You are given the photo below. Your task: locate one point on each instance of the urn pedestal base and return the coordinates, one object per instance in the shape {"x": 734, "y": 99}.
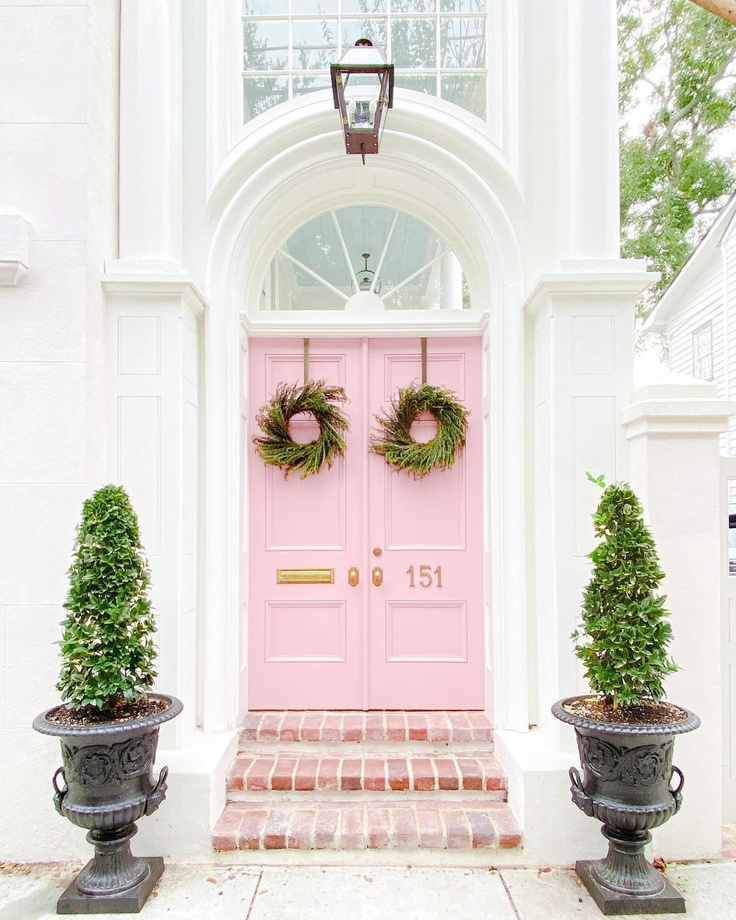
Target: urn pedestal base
{"x": 73, "y": 901}
{"x": 612, "y": 903}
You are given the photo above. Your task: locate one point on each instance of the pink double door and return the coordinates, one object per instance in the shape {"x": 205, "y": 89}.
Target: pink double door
{"x": 366, "y": 585}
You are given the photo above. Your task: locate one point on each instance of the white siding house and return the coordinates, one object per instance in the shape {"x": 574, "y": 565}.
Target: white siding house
{"x": 697, "y": 313}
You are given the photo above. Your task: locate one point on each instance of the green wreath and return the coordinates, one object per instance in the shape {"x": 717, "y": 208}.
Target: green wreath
{"x": 394, "y": 440}
{"x": 276, "y": 445}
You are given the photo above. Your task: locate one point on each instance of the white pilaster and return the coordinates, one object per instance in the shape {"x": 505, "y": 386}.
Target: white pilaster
{"x": 154, "y": 337}
{"x": 150, "y": 130}
{"x": 673, "y": 426}
{"x": 580, "y": 342}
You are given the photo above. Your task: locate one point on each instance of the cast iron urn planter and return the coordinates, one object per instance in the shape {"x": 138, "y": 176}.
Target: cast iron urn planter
{"x": 627, "y": 784}
{"x": 105, "y": 785}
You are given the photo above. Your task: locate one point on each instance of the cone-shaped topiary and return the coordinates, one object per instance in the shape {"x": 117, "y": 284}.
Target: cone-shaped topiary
{"x": 107, "y": 649}
{"x": 625, "y": 634}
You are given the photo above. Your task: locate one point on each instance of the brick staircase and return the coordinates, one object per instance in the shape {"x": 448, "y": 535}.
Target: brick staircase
{"x": 356, "y": 781}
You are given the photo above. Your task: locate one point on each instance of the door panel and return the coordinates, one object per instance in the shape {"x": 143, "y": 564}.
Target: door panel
{"x": 305, "y": 649}
{"x": 426, "y": 640}
{"x": 393, "y": 646}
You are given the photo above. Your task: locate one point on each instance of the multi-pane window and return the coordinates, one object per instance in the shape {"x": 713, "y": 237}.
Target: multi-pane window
{"x": 703, "y": 352}
{"x": 437, "y": 46}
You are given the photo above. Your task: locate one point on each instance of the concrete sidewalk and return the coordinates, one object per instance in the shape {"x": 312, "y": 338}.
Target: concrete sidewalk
{"x": 239, "y": 893}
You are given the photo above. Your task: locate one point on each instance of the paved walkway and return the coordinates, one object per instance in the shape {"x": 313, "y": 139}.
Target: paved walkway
{"x": 238, "y": 893}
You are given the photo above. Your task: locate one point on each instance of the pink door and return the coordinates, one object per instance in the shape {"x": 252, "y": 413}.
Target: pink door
{"x": 414, "y": 641}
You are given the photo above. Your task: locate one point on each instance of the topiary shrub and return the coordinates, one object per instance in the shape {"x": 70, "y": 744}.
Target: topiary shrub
{"x": 625, "y": 633}
{"x": 107, "y": 650}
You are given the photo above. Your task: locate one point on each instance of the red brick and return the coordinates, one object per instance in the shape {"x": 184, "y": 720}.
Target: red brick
{"x": 350, "y": 774}
{"x": 237, "y": 772}
{"x": 269, "y": 727}
{"x": 398, "y": 774}
{"x": 430, "y": 828}
{"x": 352, "y": 727}
{"x": 417, "y": 726}
{"x": 301, "y": 829}
{"x": 374, "y": 779}
{"x": 507, "y": 830}
{"x": 289, "y": 730}
{"x": 447, "y": 774}
{"x": 395, "y": 727}
{"x": 257, "y": 778}
{"x": 311, "y": 727}
{"x": 483, "y": 831}
{"x": 327, "y": 776}
{"x": 282, "y": 778}
{"x": 404, "y": 826}
{"x": 482, "y": 728}
{"x": 439, "y": 727}
{"x": 471, "y": 773}
{"x": 250, "y": 726}
{"x": 227, "y": 829}
{"x": 423, "y": 773}
{"x": 305, "y": 777}
{"x": 457, "y": 830}
{"x": 493, "y": 775}
{"x": 274, "y": 833}
{"x": 375, "y": 727}
{"x": 332, "y": 727}
{"x": 352, "y": 829}
{"x": 379, "y": 828}
{"x": 461, "y": 730}
{"x": 325, "y": 829}
{"x": 251, "y": 830}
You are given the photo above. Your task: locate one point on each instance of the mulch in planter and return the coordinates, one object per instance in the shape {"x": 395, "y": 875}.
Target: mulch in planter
{"x": 648, "y": 712}
{"x": 122, "y": 712}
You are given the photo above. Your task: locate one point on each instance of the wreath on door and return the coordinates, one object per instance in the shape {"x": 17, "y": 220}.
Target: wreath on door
{"x": 394, "y": 440}
{"x": 276, "y": 446}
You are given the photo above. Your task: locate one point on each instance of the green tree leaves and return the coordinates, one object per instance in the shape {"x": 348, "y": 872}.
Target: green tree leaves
{"x": 107, "y": 646}
{"x": 677, "y": 63}
{"x": 625, "y": 633}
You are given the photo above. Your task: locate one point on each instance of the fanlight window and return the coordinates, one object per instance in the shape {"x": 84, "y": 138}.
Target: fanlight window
{"x": 368, "y": 248}
{"x": 437, "y": 46}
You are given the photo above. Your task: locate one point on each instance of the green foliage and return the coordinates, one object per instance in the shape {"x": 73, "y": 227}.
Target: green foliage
{"x": 395, "y": 442}
{"x": 107, "y": 649}
{"x": 676, "y": 65}
{"x": 276, "y": 445}
{"x": 625, "y": 634}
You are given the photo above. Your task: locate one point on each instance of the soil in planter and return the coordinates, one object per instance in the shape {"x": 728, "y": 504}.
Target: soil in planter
{"x": 646, "y": 713}
{"x": 122, "y": 712}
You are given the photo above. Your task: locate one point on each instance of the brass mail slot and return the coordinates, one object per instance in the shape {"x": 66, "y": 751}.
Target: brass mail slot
{"x": 305, "y": 576}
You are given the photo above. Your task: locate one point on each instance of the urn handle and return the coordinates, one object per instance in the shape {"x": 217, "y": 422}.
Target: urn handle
{"x": 155, "y": 798}
{"x": 677, "y": 793}
{"x": 59, "y": 793}
{"x": 579, "y": 796}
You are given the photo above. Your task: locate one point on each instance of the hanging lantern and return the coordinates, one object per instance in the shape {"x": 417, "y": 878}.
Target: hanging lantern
{"x": 363, "y": 88}
{"x": 365, "y": 276}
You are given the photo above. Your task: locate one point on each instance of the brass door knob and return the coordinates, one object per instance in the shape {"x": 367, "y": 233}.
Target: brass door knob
{"x": 353, "y": 576}
{"x": 378, "y": 576}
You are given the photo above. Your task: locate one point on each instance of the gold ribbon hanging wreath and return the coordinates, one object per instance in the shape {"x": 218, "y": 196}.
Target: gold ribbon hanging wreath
{"x": 276, "y": 445}
{"x": 394, "y": 440}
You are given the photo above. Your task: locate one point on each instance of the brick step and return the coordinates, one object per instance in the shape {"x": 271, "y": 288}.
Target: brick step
{"x": 339, "y": 727}
{"x": 327, "y": 825}
{"x": 354, "y": 770}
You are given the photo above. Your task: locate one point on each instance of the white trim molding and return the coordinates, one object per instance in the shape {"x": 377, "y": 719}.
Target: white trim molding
{"x": 388, "y": 324}
{"x": 14, "y": 245}
{"x": 676, "y": 404}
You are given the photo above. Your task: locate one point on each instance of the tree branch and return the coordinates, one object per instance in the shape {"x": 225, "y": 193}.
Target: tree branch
{"x": 726, "y": 9}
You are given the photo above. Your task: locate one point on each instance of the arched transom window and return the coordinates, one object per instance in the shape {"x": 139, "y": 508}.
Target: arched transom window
{"x": 437, "y": 46}
{"x": 365, "y": 248}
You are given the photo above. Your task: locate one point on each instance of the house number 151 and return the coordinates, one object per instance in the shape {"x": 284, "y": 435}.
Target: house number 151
{"x": 426, "y": 576}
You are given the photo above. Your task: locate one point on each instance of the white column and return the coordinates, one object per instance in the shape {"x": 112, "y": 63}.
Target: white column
{"x": 580, "y": 346}
{"x": 592, "y": 134}
{"x": 154, "y": 423}
{"x": 150, "y": 130}
{"x": 673, "y": 426}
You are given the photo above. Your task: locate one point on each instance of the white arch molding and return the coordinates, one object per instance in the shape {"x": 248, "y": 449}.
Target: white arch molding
{"x": 437, "y": 163}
